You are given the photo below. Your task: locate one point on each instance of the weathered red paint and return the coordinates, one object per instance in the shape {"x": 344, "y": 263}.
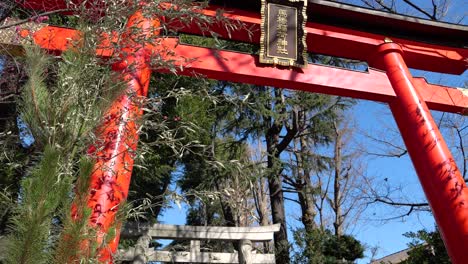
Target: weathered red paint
{"x": 440, "y": 178}
{"x": 118, "y": 134}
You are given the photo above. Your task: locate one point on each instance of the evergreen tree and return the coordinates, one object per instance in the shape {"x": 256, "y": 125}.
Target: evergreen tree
{"x": 322, "y": 246}
{"x": 426, "y": 248}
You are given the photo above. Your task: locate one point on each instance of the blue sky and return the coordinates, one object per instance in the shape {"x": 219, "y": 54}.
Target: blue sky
{"x": 455, "y": 13}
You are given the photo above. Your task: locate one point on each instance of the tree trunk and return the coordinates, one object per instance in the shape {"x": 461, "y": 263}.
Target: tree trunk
{"x": 261, "y": 202}
{"x": 279, "y": 216}
{"x": 307, "y": 207}
{"x": 305, "y": 193}
{"x": 229, "y": 218}
{"x": 275, "y": 186}
{"x": 275, "y": 168}
{"x": 337, "y": 197}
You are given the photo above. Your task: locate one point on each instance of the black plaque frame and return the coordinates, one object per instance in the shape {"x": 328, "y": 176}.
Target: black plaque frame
{"x": 297, "y": 51}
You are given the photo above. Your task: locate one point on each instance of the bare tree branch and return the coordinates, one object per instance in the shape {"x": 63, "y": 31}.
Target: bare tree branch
{"x": 413, "y": 5}
{"x": 389, "y": 202}
{"x": 434, "y": 9}
{"x": 292, "y": 200}
{"x": 387, "y": 8}
{"x": 391, "y": 155}
{"x": 462, "y": 149}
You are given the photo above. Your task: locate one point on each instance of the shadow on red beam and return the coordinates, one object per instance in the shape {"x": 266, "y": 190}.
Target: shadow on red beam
{"x": 346, "y": 43}
{"x": 373, "y": 85}
{"x": 245, "y": 68}
{"x": 58, "y": 39}
{"x": 55, "y": 39}
{"x": 443, "y": 98}
{"x": 343, "y": 42}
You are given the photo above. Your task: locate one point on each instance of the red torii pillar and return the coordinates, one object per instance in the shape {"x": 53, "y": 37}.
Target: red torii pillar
{"x": 438, "y": 173}
{"x": 110, "y": 180}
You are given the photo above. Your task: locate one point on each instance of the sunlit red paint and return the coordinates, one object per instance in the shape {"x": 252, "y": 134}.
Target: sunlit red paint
{"x": 115, "y": 152}
{"x": 440, "y": 178}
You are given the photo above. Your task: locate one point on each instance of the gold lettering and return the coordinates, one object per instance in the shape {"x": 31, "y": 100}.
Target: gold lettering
{"x": 282, "y": 32}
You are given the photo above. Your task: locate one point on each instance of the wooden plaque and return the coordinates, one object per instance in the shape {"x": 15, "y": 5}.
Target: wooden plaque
{"x": 283, "y": 33}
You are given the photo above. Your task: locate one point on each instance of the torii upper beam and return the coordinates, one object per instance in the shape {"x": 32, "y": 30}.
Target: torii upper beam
{"x": 322, "y": 38}
{"x": 239, "y": 67}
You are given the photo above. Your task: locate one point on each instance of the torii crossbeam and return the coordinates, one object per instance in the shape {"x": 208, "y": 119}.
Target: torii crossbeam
{"x": 389, "y": 81}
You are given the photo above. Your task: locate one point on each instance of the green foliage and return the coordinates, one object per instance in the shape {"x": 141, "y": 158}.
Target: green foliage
{"x": 426, "y": 248}
{"x": 42, "y": 195}
{"x": 345, "y": 247}
{"x": 13, "y": 159}
{"x": 177, "y": 113}
{"x": 322, "y": 247}
{"x": 219, "y": 43}
{"x": 65, "y": 113}
{"x": 75, "y": 226}
{"x": 35, "y": 96}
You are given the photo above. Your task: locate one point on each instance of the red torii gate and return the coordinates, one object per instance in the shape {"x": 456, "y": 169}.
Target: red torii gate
{"x": 409, "y": 99}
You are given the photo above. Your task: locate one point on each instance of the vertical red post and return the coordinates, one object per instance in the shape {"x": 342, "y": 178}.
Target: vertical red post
{"x": 440, "y": 178}
{"x": 118, "y": 134}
